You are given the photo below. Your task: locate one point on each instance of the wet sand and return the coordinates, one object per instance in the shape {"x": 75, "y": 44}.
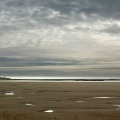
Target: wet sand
{"x": 60, "y": 100}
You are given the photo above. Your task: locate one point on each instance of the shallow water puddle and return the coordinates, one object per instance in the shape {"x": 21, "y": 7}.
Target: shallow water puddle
{"x": 19, "y": 97}
{"x": 49, "y": 111}
{"x": 9, "y": 93}
{"x": 28, "y": 104}
{"x": 118, "y": 106}
{"x": 79, "y": 101}
{"x": 104, "y": 97}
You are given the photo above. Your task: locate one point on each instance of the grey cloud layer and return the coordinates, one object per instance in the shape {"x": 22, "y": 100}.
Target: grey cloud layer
{"x": 17, "y": 15}
{"x": 58, "y": 12}
{"x": 106, "y": 8}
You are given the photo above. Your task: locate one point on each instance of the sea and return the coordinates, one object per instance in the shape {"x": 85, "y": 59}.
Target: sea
{"x": 58, "y": 79}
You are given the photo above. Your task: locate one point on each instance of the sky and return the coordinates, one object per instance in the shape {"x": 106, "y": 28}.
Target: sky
{"x": 67, "y": 38}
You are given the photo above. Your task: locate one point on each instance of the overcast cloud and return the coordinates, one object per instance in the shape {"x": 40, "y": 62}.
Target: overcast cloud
{"x": 60, "y": 38}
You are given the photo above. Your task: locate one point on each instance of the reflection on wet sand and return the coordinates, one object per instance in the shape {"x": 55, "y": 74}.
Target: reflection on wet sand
{"x": 28, "y": 104}
{"x": 104, "y": 97}
{"x": 49, "y": 111}
{"x": 9, "y": 93}
{"x": 80, "y": 101}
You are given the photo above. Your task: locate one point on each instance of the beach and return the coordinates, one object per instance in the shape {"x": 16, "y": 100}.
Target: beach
{"x": 59, "y": 100}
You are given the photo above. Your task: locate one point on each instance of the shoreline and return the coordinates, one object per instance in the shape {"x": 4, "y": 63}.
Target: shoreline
{"x": 58, "y": 81}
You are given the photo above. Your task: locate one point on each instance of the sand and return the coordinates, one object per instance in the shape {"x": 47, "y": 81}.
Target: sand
{"x": 60, "y": 101}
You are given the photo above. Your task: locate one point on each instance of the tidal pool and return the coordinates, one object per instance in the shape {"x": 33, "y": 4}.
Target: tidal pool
{"x": 117, "y": 106}
{"x": 9, "y": 93}
{"x": 80, "y": 101}
{"x": 28, "y": 104}
{"x": 104, "y": 97}
{"x": 19, "y": 97}
{"x": 49, "y": 111}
